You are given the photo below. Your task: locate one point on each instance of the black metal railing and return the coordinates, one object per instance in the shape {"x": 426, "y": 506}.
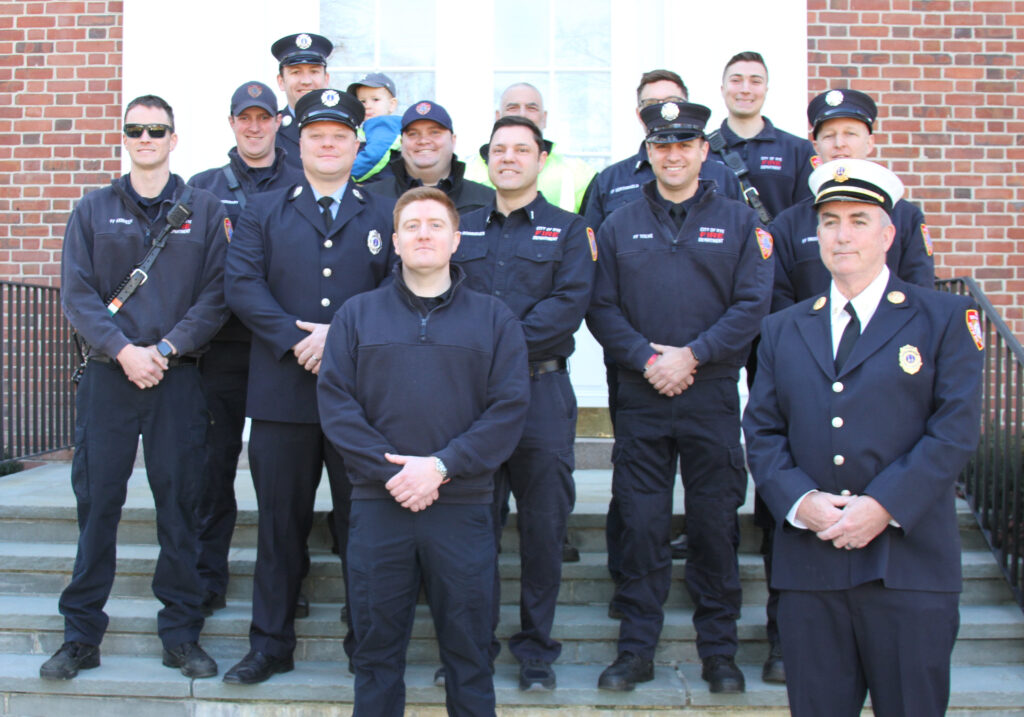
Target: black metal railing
{"x": 37, "y": 359}
{"x": 992, "y": 480}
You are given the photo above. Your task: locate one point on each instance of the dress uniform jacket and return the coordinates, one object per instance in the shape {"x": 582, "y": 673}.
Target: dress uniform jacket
{"x": 619, "y": 184}
{"x": 467, "y": 195}
{"x": 288, "y": 137}
{"x": 183, "y": 299}
{"x": 778, "y": 164}
{"x": 898, "y": 423}
{"x": 705, "y": 285}
{"x": 799, "y": 273}
{"x": 284, "y": 266}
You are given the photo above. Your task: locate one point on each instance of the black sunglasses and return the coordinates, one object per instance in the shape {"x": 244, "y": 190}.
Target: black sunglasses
{"x": 156, "y": 131}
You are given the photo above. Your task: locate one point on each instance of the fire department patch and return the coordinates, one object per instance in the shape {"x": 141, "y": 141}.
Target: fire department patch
{"x": 974, "y": 326}
{"x": 254, "y": 90}
{"x": 422, "y": 108}
{"x": 228, "y": 229}
{"x": 927, "y": 239}
{"x": 764, "y": 241}
{"x": 593, "y": 243}
{"x": 816, "y": 161}
{"x": 910, "y": 359}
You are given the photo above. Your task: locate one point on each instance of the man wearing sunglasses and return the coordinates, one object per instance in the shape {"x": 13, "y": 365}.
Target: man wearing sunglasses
{"x": 141, "y": 377}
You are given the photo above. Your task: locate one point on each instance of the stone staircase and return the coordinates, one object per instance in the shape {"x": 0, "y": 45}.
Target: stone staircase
{"x": 37, "y": 549}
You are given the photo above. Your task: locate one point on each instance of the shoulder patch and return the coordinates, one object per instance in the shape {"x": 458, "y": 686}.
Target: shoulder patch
{"x": 928, "y": 246}
{"x": 974, "y": 327}
{"x": 816, "y": 161}
{"x": 593, "y": 243}
{"x": 764, "y": 242}
{"x": 227, "y": 229}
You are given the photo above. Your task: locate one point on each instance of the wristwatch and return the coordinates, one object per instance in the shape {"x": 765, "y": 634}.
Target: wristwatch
{"x": 165, "y": 348}
{"x": 441, "y": 468}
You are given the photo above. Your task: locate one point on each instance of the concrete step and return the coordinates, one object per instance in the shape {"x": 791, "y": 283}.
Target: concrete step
{"x": 988, "y": 635}
{"x": 141, "y": 687}
{"x": 41, "y": 568}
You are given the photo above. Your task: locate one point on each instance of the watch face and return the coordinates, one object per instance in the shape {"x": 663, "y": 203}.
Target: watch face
{"x": 164, "y": 348}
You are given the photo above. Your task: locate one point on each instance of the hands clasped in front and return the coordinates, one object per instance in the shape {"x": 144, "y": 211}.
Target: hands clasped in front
{"x": 415, "y": 487}
{"x": 673, "y": 371}
{"x": 848, "y": 521}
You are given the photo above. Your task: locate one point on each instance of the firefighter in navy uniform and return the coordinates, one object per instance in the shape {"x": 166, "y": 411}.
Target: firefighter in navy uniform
{"x": 141, "y": 377}
{"x": 302, "y": 67}
{"x": 296, "y": 256}
{"x": 683, "y": 280}
{"x": 538, "y": 259}
{"x": 843, "y": 122}
{"x": 254, "y": 165}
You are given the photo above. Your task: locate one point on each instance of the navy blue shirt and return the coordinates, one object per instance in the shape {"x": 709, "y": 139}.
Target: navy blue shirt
{"x": 183, "y": 298}
{"x": 800, "y": 273}
{"x": 393, "y": 181}
{"x": 251, "y": 180}
{"x": 706, "y": 285}
{"x": 778, "y": 164}
{"x": 449, "y": 382}
{"x": 619, "y": 184}
{"x": 537, "y": 260}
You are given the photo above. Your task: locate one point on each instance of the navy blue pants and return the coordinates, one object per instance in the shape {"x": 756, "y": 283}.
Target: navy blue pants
{"x": 842, "y": 644}
{"x": 539, "y": 475}
{"x": 286, "y": 460}
{"x": 700, "y": 431}
{"x": 450, "y": 548}
{"x": 111, "y": 413}
{"x": 225, "y": 372}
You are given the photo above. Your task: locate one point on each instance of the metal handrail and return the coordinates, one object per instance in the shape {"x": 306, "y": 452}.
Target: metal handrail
{"x": 991, "y": 482}
{"x": 36, "y": 362}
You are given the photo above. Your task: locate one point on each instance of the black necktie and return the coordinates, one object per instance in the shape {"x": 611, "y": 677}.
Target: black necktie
{"x": 849, "y": 337}
{"x": 325, "y": 206}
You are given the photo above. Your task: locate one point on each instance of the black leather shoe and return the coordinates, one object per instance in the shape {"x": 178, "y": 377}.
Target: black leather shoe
{"x": 191, "y": 659}
{"x": 722, "y": 675}
{"x": 680, "y": 547}
{"x": 536, "y": 676}
{"x": 623, "y": 674}
{"x": 69, "y": 659}
{"x": 570, "y": 554}
{"x": 212, "y": 602}
{"x": 439, "y": 677}
{"x": 301, "y": 607}
{"x": 257, "y": 667}
{"x": 615, "y": 612}
{"x": 774, "y": 669}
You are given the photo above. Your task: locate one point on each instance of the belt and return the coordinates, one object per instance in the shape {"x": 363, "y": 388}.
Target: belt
{"x": 171, "y": 362}
{"x": 539, "y": 367}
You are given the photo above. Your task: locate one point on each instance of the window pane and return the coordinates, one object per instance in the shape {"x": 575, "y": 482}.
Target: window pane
{"x": 579, "y": 111}
{"x": 504, "y": 79}
{"x": 521, "y": 33}
{"x": 583, "y": 32}
{"x": 413, "y": 87}
{"x": 407, "y": 33}
{"x": 349, "y": 25}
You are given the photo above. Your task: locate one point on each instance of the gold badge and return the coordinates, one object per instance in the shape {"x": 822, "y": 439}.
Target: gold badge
{"x": 669, "y": 111}
{"x": 896, "y": 297}
{"x": 840, "y": 175}
{"x": 820, "y": 303}
{"x": 910, "y": 359}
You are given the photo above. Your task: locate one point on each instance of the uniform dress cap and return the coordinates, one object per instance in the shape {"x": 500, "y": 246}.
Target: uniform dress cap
{"x": 253, "y": 94}
{"x": 674, "y": 121}
{"x": 305, "y": 48}
{"x": 329, "y": 105}
{"x": 855, "y": 180}
{"x": 841, "y": 103}
{"x": 427, "y": 110}
{"x": 374, "y": 79}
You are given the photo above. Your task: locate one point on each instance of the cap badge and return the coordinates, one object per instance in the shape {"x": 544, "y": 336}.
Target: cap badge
{"x": 840, "y": 174}
{"x": 910, "y": 359}
{"x": 896, "y": 297}
{"x": 254, "y": 90}
{"x": 423, "y": 108}
{"x": 669, "y": 111}
{"x": 974, "y": 326}
{"x": 286, "y": 119}
{"x": 373, "y": 242}
{"x": 834, "y": 98}
{"x": 820, "y": 303}
{"x": 303, "y": 41}
{"x": 330, "y": 98}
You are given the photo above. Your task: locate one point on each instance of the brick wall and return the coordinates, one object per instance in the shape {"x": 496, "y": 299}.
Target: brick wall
{"x": 948, "y": 79}
{"x": 60, "y": 103}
